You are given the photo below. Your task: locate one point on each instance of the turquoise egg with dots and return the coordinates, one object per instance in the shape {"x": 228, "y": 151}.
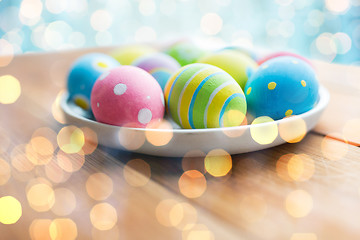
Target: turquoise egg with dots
{"x": 282, "y": 87}
{"x": 82, "y": 76}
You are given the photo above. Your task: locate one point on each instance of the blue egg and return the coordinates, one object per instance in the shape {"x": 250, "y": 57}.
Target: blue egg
{"x": 162, "y": 76}
{"x": 282, "y": 87}
{"x": 83, "y": 74}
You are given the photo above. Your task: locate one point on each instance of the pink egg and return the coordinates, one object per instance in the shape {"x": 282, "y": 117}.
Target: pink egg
{"x": 127, "y": 96}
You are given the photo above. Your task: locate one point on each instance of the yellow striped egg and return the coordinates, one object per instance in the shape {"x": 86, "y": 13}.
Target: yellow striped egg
{"x": 204, "y": 96}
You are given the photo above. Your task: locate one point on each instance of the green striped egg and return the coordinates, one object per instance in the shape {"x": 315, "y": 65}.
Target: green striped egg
{"x": 204, "y": 96}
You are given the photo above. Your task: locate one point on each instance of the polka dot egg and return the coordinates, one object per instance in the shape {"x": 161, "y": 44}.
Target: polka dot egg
{"x": 127, "y": 96}
{"x": 281, "y": 87}
{"x": 204, "y": 96}
{"x": 160, "y": 65}
{"x": 83, "y": 74}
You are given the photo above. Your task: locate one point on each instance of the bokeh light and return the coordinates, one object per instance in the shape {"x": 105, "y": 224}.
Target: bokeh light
{"x": 131, "y": 139}
{"x": 334, "y": 149}
{"x": 91, "y": 140}
{"x": 337, "y": 6}
{"x": 101, "y": 20}
{"x": 160, "y": 133}
{"x": 301, "y": 167}
{"x": 56, "y": 110}
{"x": 35, "y": 25}
{"x": 65, "y": 202}
{"x": 35, "y": 158}
{"x": 39, "y": 229}
{"x": 5, "y": 172}
{"x": 40, "y": 150}
{"x": 103, "y": 216}
{"x": 30, "y": 12}
{"x": 137, "y": 172}
{"x": 327, "y": 30}
{"x": 10, "y": 89}
{"x": 298, "y": 203}
{"x": 70, "y": 162}
{"x": 293, "y": 167}
{"x": 183, "y": 216}
{"x": 55, "y": 173}
{"x": 10, "y": 210}
{"x": 37, "y": 180}
{"x": 56, "y": 35}
{"x": 264, "y": 130}
{"x": 192, "y": 184}
{"x": 199, "y": 231}
{"x": 99, "y": 186}
{"x": 237, "y": 132}
{"x": 71, "y": 139}
{"x": 41, "y": 197}
{"x": 63, "y": 229}
{"x": 342, "y": 42}
{"x": 218, "y": 162}
{"x": 47, "y": 133}
{"x": 162, "y": 211}
{"x": 211, "y": 23}
{"x": 293, "y": 131}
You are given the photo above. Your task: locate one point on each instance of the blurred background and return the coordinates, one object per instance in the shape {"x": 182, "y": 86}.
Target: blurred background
{"x": 328, "y": 30}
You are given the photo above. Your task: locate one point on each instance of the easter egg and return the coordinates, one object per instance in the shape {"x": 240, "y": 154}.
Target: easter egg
{"x": 83, "y": 74}
{"x": 127, "y": 96}
{"x": 235, "y": 63}
{"x": 128, "y": 54}
{"x": 185, "y": 52}
{"x": 204, "y": 96}
{"x": 281, "y": 87}
{"x": 160, "y": 65}
{"x": 282, "y": 54}
{"x": 247, "y": 51}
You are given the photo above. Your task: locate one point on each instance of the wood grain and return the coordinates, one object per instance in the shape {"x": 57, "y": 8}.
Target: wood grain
{"x": 247, "y": 203}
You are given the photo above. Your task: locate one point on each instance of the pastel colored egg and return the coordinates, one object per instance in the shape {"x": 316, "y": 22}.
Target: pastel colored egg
{"x": 283, "y": 54}
{"x": 160, "y": 65}
{"x": 281, "y": 87}
{"x": 128, "y": 54}
{"x": 129, "y": 96}
{"x": 253, "y": 54}
{"x": 83, "y": 74}
{"x": 185, "y": 52}
{"x": 233, "y": 62}
{"x": 204, "y": 96}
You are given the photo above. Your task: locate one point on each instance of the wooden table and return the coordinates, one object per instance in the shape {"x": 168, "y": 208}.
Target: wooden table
{"x": 308, "y": 190}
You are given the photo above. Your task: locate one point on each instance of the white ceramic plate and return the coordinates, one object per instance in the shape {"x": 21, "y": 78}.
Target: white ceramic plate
{"x": 178, "y": 142}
